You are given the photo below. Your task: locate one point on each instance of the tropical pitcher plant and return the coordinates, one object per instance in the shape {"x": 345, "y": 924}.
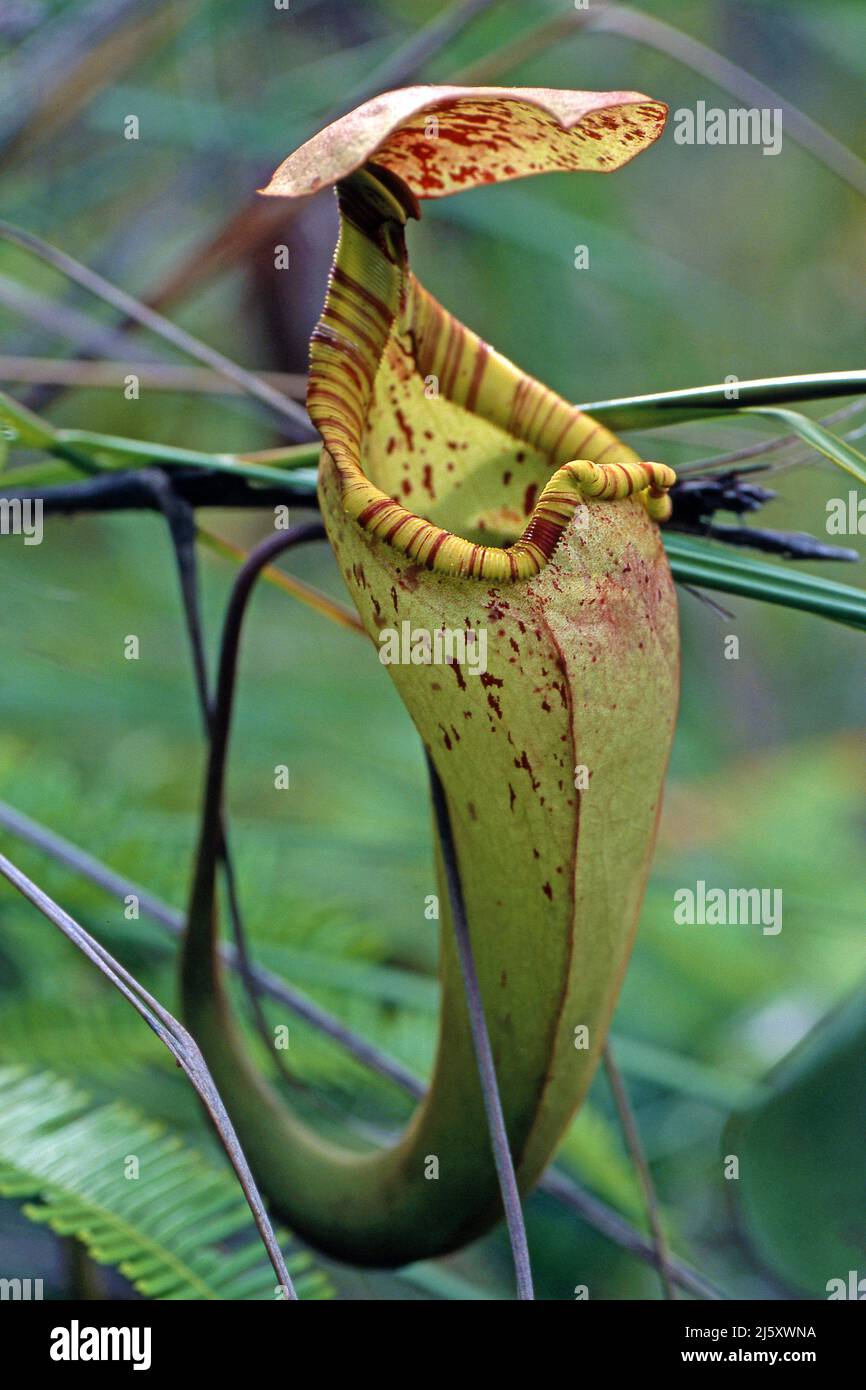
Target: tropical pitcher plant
{"x": 467, "y": 500}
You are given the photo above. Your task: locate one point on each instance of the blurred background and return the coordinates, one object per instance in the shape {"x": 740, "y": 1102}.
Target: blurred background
{"x": 704, "y": 262}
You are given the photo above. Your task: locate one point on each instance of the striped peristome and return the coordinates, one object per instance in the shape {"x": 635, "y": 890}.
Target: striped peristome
{"x": 361, "y": 325}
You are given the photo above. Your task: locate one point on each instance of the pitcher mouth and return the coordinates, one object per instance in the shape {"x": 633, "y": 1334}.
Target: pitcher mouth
{"x": 385, "y": 353}
{"x": 434, "y": 548}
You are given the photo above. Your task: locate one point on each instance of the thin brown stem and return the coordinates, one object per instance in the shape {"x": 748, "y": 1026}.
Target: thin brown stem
{"x": 175, "y": 1037}
{"x": 287, "y": 410}
{"x": 152, "y": 376}
{"x": 638, "y": 1158}
{"x": 770, "y": 446}
{"x": 481, "y": 1041}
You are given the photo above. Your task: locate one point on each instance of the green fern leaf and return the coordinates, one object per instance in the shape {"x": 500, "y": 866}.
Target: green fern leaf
{"x": 179, "y": 1230}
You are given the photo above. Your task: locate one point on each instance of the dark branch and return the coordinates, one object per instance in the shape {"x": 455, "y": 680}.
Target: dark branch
{"x": 697, "y": 499}
{"x": 128, "y": 491}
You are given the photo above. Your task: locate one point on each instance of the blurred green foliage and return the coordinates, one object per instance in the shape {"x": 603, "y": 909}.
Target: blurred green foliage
{"x": 704, "y": 262}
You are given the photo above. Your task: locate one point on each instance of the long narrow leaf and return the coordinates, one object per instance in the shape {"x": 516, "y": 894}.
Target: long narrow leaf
{"x": 698, "y": 402}
{"x": 709, "y": 567}
{"x": 837, "y": 450}
{"x": 93, "y": 453}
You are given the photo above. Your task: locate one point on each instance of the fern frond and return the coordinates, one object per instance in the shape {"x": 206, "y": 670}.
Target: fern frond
{"x": 179, "y": 1230}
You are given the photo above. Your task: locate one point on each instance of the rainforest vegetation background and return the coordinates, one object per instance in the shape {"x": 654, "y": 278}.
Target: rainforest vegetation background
{"x": 704, "y": 262}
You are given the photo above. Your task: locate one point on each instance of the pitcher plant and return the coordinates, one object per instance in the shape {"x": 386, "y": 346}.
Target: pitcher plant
{"x": 503, "y": 552}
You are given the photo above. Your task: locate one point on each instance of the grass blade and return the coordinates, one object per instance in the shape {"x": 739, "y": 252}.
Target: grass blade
{"x": 287, "y": 410}
{"x": 710, "y": 567}
{"x": 837, "y": 450}
{"x": 698, "y": 402}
